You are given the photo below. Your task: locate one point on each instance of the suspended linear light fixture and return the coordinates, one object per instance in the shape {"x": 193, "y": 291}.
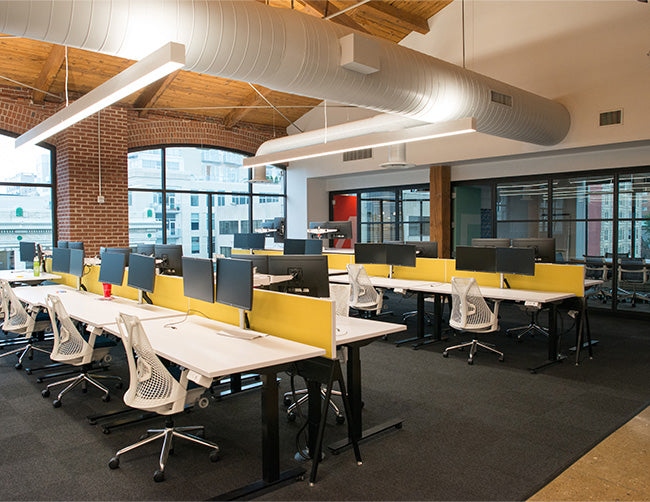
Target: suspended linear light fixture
{"x": 149, "y": 69}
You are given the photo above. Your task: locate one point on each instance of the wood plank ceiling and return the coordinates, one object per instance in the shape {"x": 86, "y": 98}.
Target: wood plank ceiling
{"x": 42, "y": 66}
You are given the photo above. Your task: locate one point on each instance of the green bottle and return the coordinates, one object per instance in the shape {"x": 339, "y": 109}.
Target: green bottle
{"x": 37, "y": 267}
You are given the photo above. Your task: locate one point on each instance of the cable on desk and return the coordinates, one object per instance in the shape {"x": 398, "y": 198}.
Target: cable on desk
{"x": 189, "y": 311}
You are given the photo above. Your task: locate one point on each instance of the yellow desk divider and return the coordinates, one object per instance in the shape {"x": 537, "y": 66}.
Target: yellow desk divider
{"x": 377, "y": 270}
{"x": 292, "y": 317}
{"x": 235, "y": 251}
{"x": 267, "y": 251}
{"x": 339, "y": 261}
{"x": 426, "y": 269}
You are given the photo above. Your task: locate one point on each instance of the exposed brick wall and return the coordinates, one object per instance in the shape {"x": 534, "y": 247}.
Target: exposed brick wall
{"x": 80, "y": 217}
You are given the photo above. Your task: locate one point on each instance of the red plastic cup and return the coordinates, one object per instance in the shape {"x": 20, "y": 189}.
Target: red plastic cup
{"x": 107, "y": 290}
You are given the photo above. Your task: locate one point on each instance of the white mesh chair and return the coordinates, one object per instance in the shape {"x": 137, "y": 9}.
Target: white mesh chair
{"x": 470, "y": 312}
{"x": 18, "y": 321}
{"x": 340, "y": 293}
{"x": 70, "y": 347}
{"x": 154, "y": 388}
{"x": 364, "y": 297}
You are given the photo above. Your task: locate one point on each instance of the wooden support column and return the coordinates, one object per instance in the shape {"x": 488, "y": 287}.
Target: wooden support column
{"x": 440, "y": 209}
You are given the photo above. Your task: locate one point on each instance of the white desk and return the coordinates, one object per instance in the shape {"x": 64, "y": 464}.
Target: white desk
{"x": 26, "y": 276}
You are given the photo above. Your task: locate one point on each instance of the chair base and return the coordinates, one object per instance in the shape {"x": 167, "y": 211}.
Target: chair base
{"x": 25, "y": 351}
{"x": 473, "y": 345}
{"x": 167, "y": 435}
{"x": 531, "y": 328}
{"x": 84, "y": 378}
{"x": 292, "y": 406}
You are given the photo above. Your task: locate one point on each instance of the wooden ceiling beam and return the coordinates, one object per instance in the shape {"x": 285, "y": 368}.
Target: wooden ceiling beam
{"x": 152, "y": 93}
{"x": 323, "y": 8}
{"x": 48, "y": 73}
{"x": 236, "y": 115}
{"x": 400, "y": 16}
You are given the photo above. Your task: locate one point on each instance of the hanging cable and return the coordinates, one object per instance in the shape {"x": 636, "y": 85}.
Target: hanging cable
{"x": 66, "y": 76}
{"x": 30, "y": 87}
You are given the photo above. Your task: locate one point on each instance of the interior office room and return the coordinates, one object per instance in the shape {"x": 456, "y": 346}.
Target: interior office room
{"x": 442, "y": 121}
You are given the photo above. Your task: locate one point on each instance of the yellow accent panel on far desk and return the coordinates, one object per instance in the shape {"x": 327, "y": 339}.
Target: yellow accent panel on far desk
{"x": 339, "y": 261}
{"x": 426, "y": 269}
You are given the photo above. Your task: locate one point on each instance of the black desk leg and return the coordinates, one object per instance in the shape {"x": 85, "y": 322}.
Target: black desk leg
{"x": 355, "y": 429}
{"x": 554, "y": 355}
{"x": 421, "y": 339}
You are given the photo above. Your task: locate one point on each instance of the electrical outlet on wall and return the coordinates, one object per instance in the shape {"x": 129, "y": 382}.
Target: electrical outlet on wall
{"x": 100, "y": 199}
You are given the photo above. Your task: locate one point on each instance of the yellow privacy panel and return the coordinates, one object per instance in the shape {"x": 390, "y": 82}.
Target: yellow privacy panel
{"x": 339, "y": 261}
{"x": 482, "y": 278}
{"x": 377, "y": 270}
{"x": 551, "y": 277}
{"x": 235, "y": 251}
{"x": 298, "y": 318}
{"x": 267, "y": 251}
{"x": 426, "y": 269}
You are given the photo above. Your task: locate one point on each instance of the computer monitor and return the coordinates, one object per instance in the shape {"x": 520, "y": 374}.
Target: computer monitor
{"x": 343, "y": 229}
{"x": 490, "y": 243}
{"x": 519, "y": 261}
{"x": 145, "y": 249}
{"x": 61, "y": 260}
{"x": 313, "y": 247}
{"x": 171, "y": 256}
{"x": 476, "y": 259}
{"x": 260, "y": 261}
{"x": 400, "y": 254}
{"x": 310, "y": 275}
{"x": 76, "y": 245}
{"x": 111, "y": 270}
{"x": 425, "y": 249}
{"x": 314, "y": 225}
{"x": 76, "y": 267}
{"x": 125, "y": 251}
{"x": 249, "y": 241}
{"x": 303, "y": 246}
{"x": 142, "y": 272}
{"x": 198, "y": 279}
{"x": 544, "y": 247}
{"x": 27, "y": 251}
{"x": 369, "y": 253}
{"x": 235, "y": 283}
{"x": 62, "y": 244}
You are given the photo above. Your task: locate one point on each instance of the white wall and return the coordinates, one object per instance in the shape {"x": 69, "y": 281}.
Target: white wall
{"x": 592, "y": 56}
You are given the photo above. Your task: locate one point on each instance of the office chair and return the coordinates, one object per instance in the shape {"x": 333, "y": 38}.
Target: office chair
{"x": 364, "y": 297}
{"x": 470, "y": 312}
{"x": 155, "y": 388}
{"x": 340, "y": 293}
{"x": 532, "y": 327}
{"x": 70, "y": 347}
{"x": 18, "y": 322}
{"x": 632, "y": 272}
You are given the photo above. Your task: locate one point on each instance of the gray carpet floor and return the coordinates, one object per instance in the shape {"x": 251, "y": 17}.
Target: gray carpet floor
{"x": 491, "y": 431}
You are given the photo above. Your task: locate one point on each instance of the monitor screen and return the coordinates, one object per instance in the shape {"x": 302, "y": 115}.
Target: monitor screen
{"x": 171, "y": 256}
{"x": 125, "y": 251}
{"x": 142, "y": 272}
{"x": 476, "y": 259}
{"x": 310, "y": 275}
{"x": 235, "y": 283}
{"x": 61, "y": 260}
{"x": 490, "y": 243}
{"x": 294, "y": 246}
{"x": 260, "y": 261}
{"x": 145, "y": 249}
{"x": 313, "y": 247}
{"x": 198, "y": 279}
{"x": 27, "y": 251}
{"x": 369, "y": 253}
{"x": 544, "y": 247}
{"x": 425, "y": 249}
{"x": 515, "y": 261}
{"x": 62, "y": 244}
{"x": 111, "y": 270}
{"x": 76, "y": 245}
{"x": 343, "y": 229}
{"x": 76, "y": 262}
{"x": 249, "y": 241}
{"x": 400, "y": 254}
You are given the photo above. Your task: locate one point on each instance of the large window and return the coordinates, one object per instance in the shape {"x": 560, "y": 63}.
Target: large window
{"x": 26, "y": 199}
{"x": 207, "y": 198}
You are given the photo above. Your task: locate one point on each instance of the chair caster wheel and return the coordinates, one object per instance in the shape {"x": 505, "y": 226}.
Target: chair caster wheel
{"x": 18, "y": 366}
{"x": 106, "y": 430}
{"x": 287, "y": 401}
{"x": 470, "y": 361}
{"x": 106, "y": 398}
{"x": 45, "y": 393}
{"x": 56, "y": 403}
{"x": 214, "y": 456}
{"x": 39, "y": 380}
{"x": 445, "y": 354}
{"x": 30, "y": 357}
{"x": 340, "y": 419}
{"x": 158, "y": 476}
{"x": 84, "y": 390}
{"x": 291, "y": 417}
{"x": 501, "y": 359}
{"x": 28, "y": 371}
{"x": 114, "y": 463}
{"x": 118, "y": 385}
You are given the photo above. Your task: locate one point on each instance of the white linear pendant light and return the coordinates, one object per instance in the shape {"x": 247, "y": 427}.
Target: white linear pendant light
{"x": 149, "y": 69}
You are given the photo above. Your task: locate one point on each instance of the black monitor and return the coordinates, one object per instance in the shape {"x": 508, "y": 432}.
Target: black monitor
{"x": 425, "y": 249}
{"x": 76, "y": 262}
{"x": 61, "y": 260}
{"x": 303, "y": 246}
{"x": 544, "y": 247}
{"x": 125, "y": 251}
{"x": 249, "y": 241}
{"x": 112, "y": 268}
{"x": 310, "y": 275}
{"x": 235, "y": 283}
{"x": 145, "y": 249}
{"x": 314, "y": 225}
{"x": 519, "y": 261}
{"x": 476, "y": 259}
{"x": 142, "y": 272}
{"x": 343, "y": 229}
{"x": 27, "y": 251}
{"x": 76, "y": 245}
{"x": 62, "y": 244}
{"x": 171, "y": 256}
{"x": 313, "y": 247}
{"x": 198, "y": 279}
{"x": 260, "y": 261}
{"x": 369, "y": 253}
{"x": 400, "y": 254}
{"x": 490, "y": 243}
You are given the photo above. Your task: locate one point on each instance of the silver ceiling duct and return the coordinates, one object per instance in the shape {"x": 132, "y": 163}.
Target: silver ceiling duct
{"x": 291, "y": 52}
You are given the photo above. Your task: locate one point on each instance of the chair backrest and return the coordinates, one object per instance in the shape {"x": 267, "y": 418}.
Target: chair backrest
{"x": 468, "y": 307}
{"x": 69, "y": 346}
{"x": 17, "y": 320}
{"x": 340, "y": 293}
{"x": 632, "y": 270}
{"x": 151, "y": 385}
{"x": 363, "y": 294}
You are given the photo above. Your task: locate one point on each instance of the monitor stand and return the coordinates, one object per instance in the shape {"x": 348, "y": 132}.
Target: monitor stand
{"x": 143, "y": 298}
{"x": 390, "y": 271}
{"x": 80, "y": 287}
